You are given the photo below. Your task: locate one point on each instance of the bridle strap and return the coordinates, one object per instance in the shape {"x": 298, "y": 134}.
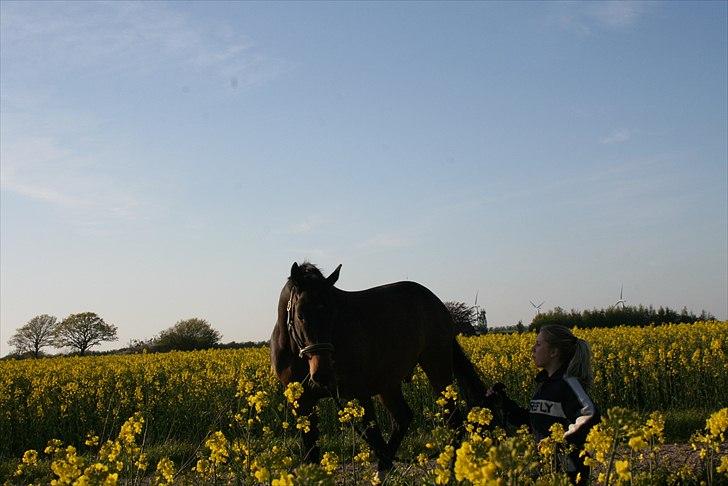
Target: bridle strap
{"x": 304, "y": 350}
{"x": 316, "y": 348}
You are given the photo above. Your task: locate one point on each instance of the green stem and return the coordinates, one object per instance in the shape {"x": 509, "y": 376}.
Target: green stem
{"x": 611, "y": 457}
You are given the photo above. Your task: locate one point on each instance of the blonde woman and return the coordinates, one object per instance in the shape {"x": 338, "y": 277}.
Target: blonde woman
{"x": 560, "y": 395}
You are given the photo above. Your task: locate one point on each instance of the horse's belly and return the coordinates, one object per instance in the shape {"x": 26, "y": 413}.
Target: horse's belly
{"x": 371, "y": 378}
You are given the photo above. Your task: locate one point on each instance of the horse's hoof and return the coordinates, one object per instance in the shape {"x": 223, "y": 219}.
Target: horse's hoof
{"x": 384, "y": 465}
{"x": 313, "y": 456}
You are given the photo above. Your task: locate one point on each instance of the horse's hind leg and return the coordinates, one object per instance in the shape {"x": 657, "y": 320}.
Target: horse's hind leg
{"x": 373, "y": 435}
{"x": 438, "y": 366}
{"x": 401, "y": 414}
{"x": 311, "y": 452}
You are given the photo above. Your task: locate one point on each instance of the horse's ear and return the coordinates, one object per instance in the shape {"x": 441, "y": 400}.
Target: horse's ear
{"x": 295, "y": 271}
{"x": 331, "y": 279}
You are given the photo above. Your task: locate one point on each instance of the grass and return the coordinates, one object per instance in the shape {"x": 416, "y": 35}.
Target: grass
{"x": 681, "y": 424}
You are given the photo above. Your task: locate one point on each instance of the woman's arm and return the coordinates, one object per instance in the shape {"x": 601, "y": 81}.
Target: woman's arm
{"x": 587, "y": 415}
{"x": 514, "y": 413}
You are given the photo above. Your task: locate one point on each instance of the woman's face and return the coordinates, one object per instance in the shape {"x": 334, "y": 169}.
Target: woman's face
{"x": 543, "y": 354}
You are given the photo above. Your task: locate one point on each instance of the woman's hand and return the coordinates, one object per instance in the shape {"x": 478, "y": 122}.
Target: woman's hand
{"x": 498, "y": 388}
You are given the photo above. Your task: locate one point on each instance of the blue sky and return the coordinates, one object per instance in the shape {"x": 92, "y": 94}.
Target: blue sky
{"x": 161, "y": 161}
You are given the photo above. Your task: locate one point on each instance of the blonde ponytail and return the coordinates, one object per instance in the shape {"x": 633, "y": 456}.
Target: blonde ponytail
{"x": 580, "y": 365}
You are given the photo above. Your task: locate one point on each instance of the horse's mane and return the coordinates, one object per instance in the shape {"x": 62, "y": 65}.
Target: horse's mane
{"x": 308, "y": 274}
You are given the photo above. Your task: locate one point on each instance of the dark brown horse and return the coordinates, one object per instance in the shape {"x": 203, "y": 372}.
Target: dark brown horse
{"x": 364, "y": 344}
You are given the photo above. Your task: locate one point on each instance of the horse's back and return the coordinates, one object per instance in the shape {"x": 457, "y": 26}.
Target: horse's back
{"x": 387, "y": 330}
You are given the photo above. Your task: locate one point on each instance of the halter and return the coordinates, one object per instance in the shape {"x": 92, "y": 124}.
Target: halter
{"x": 311, "y": 349}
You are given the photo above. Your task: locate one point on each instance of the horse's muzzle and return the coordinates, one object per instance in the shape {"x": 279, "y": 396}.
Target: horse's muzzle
{"x": 321, "y": 369}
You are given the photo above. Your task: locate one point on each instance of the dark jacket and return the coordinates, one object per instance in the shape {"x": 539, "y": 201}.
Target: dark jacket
{"x": 557, "y": 399}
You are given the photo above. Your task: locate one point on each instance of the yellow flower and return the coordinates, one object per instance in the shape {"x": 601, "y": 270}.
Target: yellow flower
{"x": 293, "y": 392}
{"x": 450, "y": 392}
{"x": 219, "y": 448}
{"x": 30, "y": 457}
{"x": 442, "y": 470}
{"x": 141, "y": 463}
{"x": 723, "y": 466}
{"x": 547, "y": 447}
{"x": 352, "y": 412}
{"x": 718, "y": 423}
{"x": 557, "y": 433}
{"x": 165, "y": 469}
{"x": 284, "y": 479}
{"x": 131, "y": 428}
{"x": 111, "y": 480}
{"x": 262, "y": 474}
{"x": 480, "y": 416}
{"x": 259, "y": 401}
{"x": 421, "y": 459}
{"x": 375, "y": 479}
{"x": 622, "y": 468}
{"x": 364, "y": 456}
{"x": 202, "y": 467}
{"x": 303, "y": 424}
{"x": 637, "y": 443}
{"x": 53, "y": 446}
{"x": 330, "y": 462}
{"x": 245, "y": 387}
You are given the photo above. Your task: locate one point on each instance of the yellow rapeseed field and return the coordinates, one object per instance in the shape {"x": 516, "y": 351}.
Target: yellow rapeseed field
{"x": 93, "y": 418}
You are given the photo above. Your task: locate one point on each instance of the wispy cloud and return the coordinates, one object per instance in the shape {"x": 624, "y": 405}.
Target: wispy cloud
{"x": 140, "y": 37}
{"x": 617, "y": 136}
{"x": 60, "y": 148}
{"x": 306, "y": 226}
{"x": 615, "y": 13}
{"x": 585, "y": 18}
{"x": 43, "y": 169}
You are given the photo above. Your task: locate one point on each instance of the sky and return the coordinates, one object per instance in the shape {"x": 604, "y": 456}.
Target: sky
{"x": 161, "y": 161}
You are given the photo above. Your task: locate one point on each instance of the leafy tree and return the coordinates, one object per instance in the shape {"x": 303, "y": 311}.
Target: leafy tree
{"x": 38, "y": 333}
{"x": 463, "y": 316}
{"x": 481, "y": 322}
{"x": 520, "y": 327}
{"x": 187, "y": 335}
{"x": 81, "y": 331}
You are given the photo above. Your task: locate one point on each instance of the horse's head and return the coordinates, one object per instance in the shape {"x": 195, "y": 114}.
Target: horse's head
{"x": 310, "y": 319}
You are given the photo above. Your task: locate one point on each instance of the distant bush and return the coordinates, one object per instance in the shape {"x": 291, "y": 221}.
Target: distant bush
{"x": 187, "y": 335}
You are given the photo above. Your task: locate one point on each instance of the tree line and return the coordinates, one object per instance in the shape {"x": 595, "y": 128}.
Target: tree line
{"x": 470, "y": 320}
{"x": 618, "y": 316}
{"x": 82, "y": 331}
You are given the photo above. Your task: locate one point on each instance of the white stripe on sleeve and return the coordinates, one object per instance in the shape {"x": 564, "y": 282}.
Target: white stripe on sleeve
{"x": 587, "y": 411}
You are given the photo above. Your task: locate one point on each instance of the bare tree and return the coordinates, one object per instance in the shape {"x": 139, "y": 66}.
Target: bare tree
{"x": 81, "y": 331}
{"x": 38, "y": 333}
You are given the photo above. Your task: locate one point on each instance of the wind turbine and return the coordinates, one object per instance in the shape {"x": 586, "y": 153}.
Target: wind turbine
{"x": 481, "y": 320}
{"x": 621, "y": 300}
{"x": 537, "y": 307}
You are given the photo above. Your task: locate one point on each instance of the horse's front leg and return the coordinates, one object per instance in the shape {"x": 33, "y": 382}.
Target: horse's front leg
{"x": 401, "y": 415}
{"x": 373, "y": 436}
{"x": 311, "y": 452}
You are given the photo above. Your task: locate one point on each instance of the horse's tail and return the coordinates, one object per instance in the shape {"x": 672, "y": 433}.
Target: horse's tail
{"x": 469, "y": 380}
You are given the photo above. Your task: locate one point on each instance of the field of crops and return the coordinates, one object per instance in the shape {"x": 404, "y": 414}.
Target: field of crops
{"x": 221, "y": 416}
